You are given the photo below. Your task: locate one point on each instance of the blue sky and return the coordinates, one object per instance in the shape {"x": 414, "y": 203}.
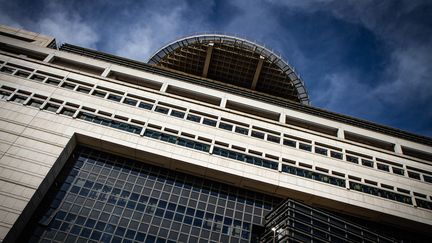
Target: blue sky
{"x": 367, "y": 59}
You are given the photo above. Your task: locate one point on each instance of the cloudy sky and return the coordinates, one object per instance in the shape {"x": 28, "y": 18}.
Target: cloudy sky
{"x": 367, "y": 59}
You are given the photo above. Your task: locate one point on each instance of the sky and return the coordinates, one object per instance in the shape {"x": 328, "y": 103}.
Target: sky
{"x": 367, "y": 59}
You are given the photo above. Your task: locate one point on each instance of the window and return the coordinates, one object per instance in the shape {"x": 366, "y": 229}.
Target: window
{"x": 336, "y": 155}
{"x": 99, "y": 93}
{"x": 427, "y": 178}
{"x": 67, "y": 111}
{"x": 193, "y": 118}
{"x": 273, "y": 139}
{"x": 35, "y": 103}
{"x": 83, "y": 89}
{"x": 7, "y": 70}
{"x": 383, "y": 167}
{"x": 19, "y": 99}
{"x": 225, "y": 126}
{"x": 161, "y": 109}
{"x": 209, "y": 122}
{"x": 36, "y": 77}
{"x": 178, "y": 114}
{"x": 257, "y": 134}
{"x": 67, "y": 85}
{"x": 367, "y": 162}
{"x": 145, "y": 105}
{"x": 398, "y": 171}
{"x": 306, "y": 147}
{"x": 52, "y": 81}
{"x": 114, "y": 97}
{"x": 51, "y": 107}
{"x": 322, "y": 151}
{"x": 414, "y": 175}
{"x": 129, "y": 101}
{"x": 22, "y": 74}
{"x": 289, "y": 142}
{"x": 241, "y": 130}
{"x": 352, "y": 159}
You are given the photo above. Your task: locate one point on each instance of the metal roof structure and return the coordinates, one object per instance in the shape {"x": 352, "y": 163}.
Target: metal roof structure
{"x": 235, "y": 61}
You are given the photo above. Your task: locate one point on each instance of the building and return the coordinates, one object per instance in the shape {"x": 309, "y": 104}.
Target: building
{"x": 200, "y": 144}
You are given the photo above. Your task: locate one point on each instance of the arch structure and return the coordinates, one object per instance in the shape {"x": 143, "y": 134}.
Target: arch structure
{"x": 234, "y": 61}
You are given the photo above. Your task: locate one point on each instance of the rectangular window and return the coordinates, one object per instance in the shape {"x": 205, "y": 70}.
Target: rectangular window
{"x": 35, "y": 103}
{"x": 178, "y": 114}
{"x": 427, "y": 178}
{"x": 367, "y": 162}
{"x": 193, "y": 118}
{"x": 209, "y": 122}
{"x": 22, "y": 74}
{"x": 98, "y": 93}
{"x": 257, "y": 134}
{"x": 161, "y": 109}
{"x": 225, "y": 126}
{"x": 322, "y": 151}
{"x": 398, "y": 171}
{"x": 83, "y": 89}
{"x": 38, "y": 78}
{"x": 114, "y": 97}
{"x": 273, "y": 139}
{"x": 52, "y": 81}
{"x": 67, "y": 85}
{"x": 4, "y": 94}
{"x": 414, "y": 175}
{"x": 67, "y": 111}
{"x": 51, "y": 107}
{"x": 145, "y": 105}
{"x": 352, "y": 159}
{"x": 383, "y": 167}
{"x": 129, "y": 101}
{"x": 336, "y": 155}
{"x": 290, "y": 143}
{"x": 241, "y": 130}
{"x": 7, "y": 70}
{"x": 19, "y": 99}
{"x": 306, "y": 147}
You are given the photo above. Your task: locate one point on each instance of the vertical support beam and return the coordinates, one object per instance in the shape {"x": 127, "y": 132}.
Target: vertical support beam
{"x": 164, "y": 87}
{"x": 49, "y": 58}
{"x": 207, "y": 60}
{"x": 106, "y": 71}
{"x": 341, "y": 133}
{"x": 398, "y": 148}
{"x": 257, "y": 72}
{"x": 223, "y": 102}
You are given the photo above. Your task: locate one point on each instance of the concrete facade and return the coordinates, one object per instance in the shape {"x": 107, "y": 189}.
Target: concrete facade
{"x": 35, "y": 142}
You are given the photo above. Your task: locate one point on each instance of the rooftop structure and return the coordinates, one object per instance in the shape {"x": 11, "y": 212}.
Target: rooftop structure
{"x": 213, "y": 140}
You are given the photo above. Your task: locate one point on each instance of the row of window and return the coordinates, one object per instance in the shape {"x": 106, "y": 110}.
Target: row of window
{"x": 54, "y": 106}
{"x": 272, "y": 136}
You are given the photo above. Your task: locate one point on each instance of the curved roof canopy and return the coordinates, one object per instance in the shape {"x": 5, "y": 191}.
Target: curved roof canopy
{"x": 233, "y": 61}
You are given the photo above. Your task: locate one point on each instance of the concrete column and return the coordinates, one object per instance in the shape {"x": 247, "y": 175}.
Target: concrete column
{"x": 164, "y": 87}
{"x": 398, "y": 148}
{"x": 223, "y": 102}
{"x": 106, "y": 72}
{"x": 340, "y": 133}
{"x": 49, "y": 58}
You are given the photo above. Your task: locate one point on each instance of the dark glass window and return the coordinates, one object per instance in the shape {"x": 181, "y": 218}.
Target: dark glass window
{"x": 304, "y": 146}
{"x": 427, "y": 178}
{"x": 320, "y": 150}
{"x": 245, "y": 158}
{"x": 22, "y": 74}
{"x": 175, "y": 113}
{"x": 225, "y": 126}
{"x": 367, "y": 162}
{"x": 352, "y": 159}
{"x": 51, "y": 107}
{"x": 242, "y": 130}
{"x": 193, "y": 118}
{"x": 83, "y": 89}
{"x": 129, "y": 101}
{"x": 380, "y": 192}
{"x": 159, "y": 220}
{"x": 313, "y": 175}
{"x": 146, "y": 106}
{"x": 336, "y": 155}
{"x": 52, "y": 81}
{"x": 36, "y": 77}
{"x": 289, "y": 142}
{"x": 35, "y": 103}
{"x": 257, "y": 134}
{"x": 273, "y": 139}
{"x": 398, "y": 171}
{"x": 209, "y": 122}
{"x": 383, "y": 167}
{"x": 67, "y": 111}
{"x": 114, "y": 97}
{"x": 161, "y": 109}
{"x": 99, "y": 93}
{"x": 18, "y": 98}
{"x": 67, "y": 85}
{"x": 414, "y": 175}
{"x": 7, "y": 70}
